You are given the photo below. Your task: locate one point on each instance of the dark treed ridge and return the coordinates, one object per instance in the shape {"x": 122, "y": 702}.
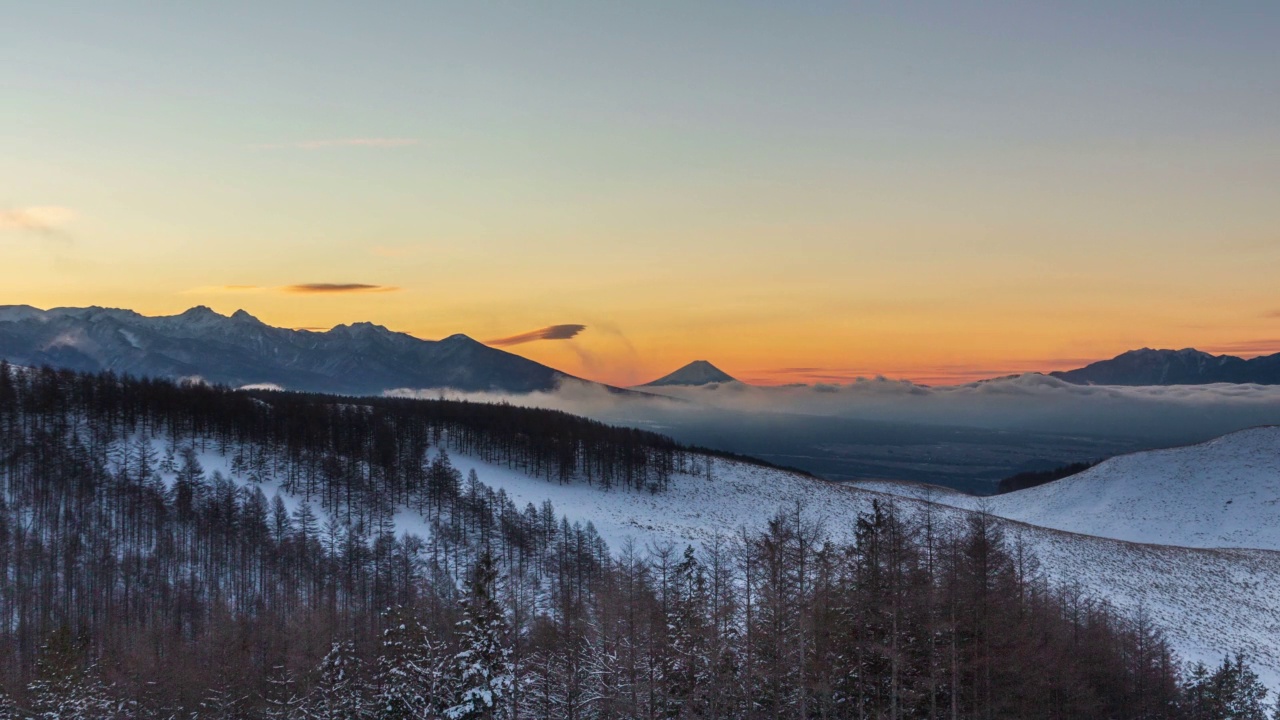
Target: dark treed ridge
{"x": 1035, "y": 478}
{"x": 544, "y": 443}
{"x": 140, "y": 585}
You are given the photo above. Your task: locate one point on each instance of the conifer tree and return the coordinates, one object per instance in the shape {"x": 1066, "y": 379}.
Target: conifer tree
{"x": 1196, "y": 692}
{"x": 279, "y": 519}
{"x": 306, "y": 524}
{"x": 281, "y": 699}
{"x": 145, "y": 459}
{"x": 66, "y": 684}
{"x": 1243, "y": 696}
{"x": 687, "y": 661}
{"x": 1231, "y": 692}
{"x": 410, "y": 674}
{"x": 8, "y": 709}
{"x": 222, "y": 703}
{"x": 339, "y": 690}
{"x": 483, "y": 665}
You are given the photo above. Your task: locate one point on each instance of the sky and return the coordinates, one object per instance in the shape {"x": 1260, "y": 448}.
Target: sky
{"x": 798, "y": 192}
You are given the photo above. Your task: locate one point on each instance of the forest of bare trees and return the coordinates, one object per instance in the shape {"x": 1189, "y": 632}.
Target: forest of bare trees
{"x": 137, "y": 582}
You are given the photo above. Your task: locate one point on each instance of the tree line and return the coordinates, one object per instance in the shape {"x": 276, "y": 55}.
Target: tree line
{"x": 160, "y": 560}
{"x": 1035, "y": 478}
{"x": 391, "y": 433}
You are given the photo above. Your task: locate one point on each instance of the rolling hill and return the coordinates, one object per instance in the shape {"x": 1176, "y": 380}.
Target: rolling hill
{"x": 1224, "y": 493}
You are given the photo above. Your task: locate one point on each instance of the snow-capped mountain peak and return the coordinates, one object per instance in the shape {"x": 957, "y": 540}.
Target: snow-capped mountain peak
{"x": 698, "y": 372}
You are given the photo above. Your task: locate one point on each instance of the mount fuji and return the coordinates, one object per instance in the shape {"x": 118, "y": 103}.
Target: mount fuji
{"x": 698, "y": 372}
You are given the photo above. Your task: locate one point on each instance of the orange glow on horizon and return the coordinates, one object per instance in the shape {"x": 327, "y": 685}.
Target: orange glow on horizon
{"x": 940, "y": 348}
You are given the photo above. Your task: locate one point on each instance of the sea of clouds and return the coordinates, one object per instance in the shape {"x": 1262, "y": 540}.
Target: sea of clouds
{"x": 1026, "y": 403}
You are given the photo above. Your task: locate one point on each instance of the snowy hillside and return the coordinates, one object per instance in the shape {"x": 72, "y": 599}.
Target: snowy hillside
{"x": 1224, "y": 493}
{"x": 1208, "y": 601}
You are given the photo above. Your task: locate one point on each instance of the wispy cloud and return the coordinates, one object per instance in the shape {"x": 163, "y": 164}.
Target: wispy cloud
{"x": 300, "y": 289}
{"x": 367, "y": 142}
{"x": 48, "y": 220}
{"x": 1274, "y": 314}
{"x": 333, "y": 288}
{"x": 551, "y": 332}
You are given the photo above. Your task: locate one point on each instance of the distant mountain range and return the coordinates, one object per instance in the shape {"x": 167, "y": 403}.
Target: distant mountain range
{"x": 368, "y": 359}
{"x": 237, "y": 350}
{"x": 698, "y": 372}
{"x": 1136, "y": 367}
{"x": 1175, "y": 367}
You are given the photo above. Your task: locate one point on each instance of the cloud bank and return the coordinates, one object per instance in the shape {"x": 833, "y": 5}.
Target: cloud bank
{"x": 1030, "y": 403}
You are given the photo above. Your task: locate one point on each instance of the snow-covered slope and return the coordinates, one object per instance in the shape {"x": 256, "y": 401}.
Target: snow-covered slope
{"x": 1207, "y": 601}
{"x": 1224, "y": 493}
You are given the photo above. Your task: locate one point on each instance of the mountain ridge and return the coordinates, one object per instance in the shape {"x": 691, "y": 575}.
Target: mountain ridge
{"x": 1188, "y": 366}
{"x": 239, "y": 349}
